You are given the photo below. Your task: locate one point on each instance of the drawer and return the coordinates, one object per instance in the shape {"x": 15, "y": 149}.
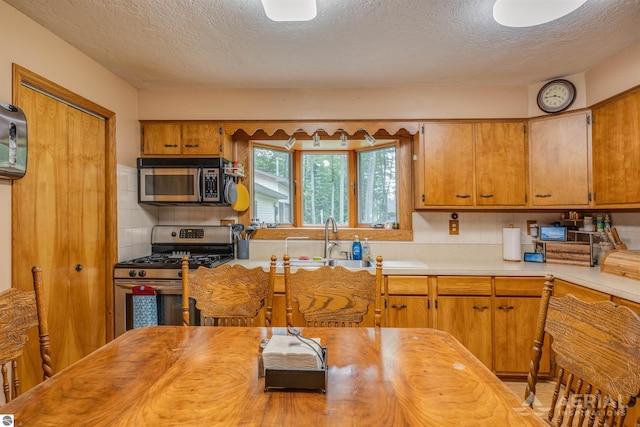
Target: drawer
{"x": 562, "y": 288}
{"x": 519, "y": 286}
{"x": 464, "y": 285}
{"x": 408, "y": 285}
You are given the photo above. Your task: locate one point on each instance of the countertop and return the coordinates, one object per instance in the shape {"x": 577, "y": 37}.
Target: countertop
{"x": 590, "y": 277}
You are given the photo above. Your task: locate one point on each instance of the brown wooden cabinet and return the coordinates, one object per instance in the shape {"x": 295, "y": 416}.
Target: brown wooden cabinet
{"x": 517, "y": 304}
{"x": 562, "y": 288}
{"x": 407, "y": 302}
{"x": 446, "y": 160}
{"x": 559, "y": 160}
{"x": 205, "y": 139}
{"x": 464, "y": 309}
{"x": 616, "y": 152}
{"x": 471, "y": 164}
{"x": 500, "y": 154}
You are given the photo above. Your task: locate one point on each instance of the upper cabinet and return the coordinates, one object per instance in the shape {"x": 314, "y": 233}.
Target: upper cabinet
{"x": 446, "y": 162}
{"x": 500, "y": 164}
{"x": 616, "y": 152}
{"x": 465, "y": 164}
{"x": 205, "y": 139}
{"x": 559, "y": 160}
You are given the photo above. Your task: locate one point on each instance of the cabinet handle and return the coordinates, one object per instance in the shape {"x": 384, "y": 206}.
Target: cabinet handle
{"x": 543, "y": 196}
{"x": 399, "y": 307}
{"x": 170, "y": 145}
{"x": 486, "y": 196}
{"x": 505, "y": 307}
{"x": 481, "y": 307}
{"x": 192, "y": 145}
{"x": 462, "y": 196}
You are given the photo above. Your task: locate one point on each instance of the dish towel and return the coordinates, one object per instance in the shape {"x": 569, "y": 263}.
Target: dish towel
{"x": 145, "y": 306}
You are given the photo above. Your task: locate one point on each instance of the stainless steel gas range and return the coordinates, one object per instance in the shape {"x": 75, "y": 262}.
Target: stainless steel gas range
{"x": 160, "y": 272}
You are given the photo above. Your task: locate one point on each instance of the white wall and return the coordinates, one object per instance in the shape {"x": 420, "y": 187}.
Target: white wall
{"x": 29, "y": 45}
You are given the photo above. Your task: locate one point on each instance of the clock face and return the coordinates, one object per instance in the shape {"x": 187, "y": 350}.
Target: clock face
{"x": 556, "y": 96}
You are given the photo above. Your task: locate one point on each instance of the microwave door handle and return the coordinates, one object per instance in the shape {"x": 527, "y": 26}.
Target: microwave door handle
{"x": 199, "y": 185}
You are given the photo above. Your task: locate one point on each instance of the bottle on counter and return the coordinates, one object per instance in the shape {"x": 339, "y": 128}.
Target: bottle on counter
{"x": 356, "y": 249}
{"x": 366, "y": 250}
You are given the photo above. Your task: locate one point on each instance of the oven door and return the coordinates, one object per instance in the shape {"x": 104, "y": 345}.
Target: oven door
{"x": 169, "y": 185}
{"x": 168, "y": 301}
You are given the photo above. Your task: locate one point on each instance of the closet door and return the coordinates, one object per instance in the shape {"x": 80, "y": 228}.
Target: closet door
{"x": 59, "y": 223}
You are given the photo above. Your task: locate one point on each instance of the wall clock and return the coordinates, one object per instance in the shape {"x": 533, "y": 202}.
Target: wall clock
{"x": 556, "y": 96}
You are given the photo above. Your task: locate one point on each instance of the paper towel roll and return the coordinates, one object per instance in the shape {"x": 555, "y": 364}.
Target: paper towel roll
{"x": 511, "y": 244}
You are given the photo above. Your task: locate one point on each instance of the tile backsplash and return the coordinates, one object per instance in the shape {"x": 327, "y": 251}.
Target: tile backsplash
{"x": 480, "y": 233}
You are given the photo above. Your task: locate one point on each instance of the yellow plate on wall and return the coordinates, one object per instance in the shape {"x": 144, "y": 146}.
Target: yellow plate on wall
{"x": 242, "y": 203}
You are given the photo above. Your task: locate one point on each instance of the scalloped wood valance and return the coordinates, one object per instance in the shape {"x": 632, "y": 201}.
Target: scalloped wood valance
{"x": 330, "y": 127}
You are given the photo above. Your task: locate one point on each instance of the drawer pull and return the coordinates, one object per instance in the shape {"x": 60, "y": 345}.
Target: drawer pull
{"x": 170, "y": 145}
{"x": 399, "y": 307}
{"x": 543, "y": 196}
{"x": 481, "y": 307}
{"x": 192, "y": 145}
{"x": 462, "y": 196}
{"x": 486, "y": 196}
{"x": 505, "y": 307}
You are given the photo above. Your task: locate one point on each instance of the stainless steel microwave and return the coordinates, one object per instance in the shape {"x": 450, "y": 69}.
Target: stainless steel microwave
{"x": 182, "y": 180}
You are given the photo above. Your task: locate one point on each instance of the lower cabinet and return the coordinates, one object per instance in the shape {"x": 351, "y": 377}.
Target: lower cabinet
{"x": 517, "y": 305}
{"x": 463, "y": 307}
{"x": 407, "y": 302}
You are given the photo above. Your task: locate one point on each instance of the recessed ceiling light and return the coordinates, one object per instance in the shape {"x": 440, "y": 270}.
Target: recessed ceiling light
{"x": 290, "y": 10}
{"x": 527, "y": 13}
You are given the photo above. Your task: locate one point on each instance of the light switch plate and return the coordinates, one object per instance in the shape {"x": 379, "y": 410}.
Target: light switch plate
{"x": 454, "y": 227}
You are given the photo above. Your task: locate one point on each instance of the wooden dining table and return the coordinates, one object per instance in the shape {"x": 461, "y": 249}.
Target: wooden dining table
{"x": 207, "y": 376}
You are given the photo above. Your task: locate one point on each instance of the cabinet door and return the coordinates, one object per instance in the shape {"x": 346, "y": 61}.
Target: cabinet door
{"x": 616, "y": 152}
{"x": 469, "y": 320}
{"x": 448, "y": 164}
{"x": 407, "y": 311}
{"x": 559, "y": 160}
{"x": 500, "y": 164}
{"x": 161, "y": 139}
{"x": 514, "y": 332}
{"x": 200, "y": 139}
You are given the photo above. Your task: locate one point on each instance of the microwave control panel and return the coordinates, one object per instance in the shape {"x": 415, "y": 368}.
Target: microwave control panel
{"x": 210, "y": 178}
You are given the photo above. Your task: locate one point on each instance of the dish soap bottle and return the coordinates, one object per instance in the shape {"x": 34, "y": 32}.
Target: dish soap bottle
{"x": 366, "y": 251}
{"x": 356, "y": 249}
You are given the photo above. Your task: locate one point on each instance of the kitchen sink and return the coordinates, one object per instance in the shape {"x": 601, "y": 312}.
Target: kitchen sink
{"x": 347, "y": 263}
{"x": 350, "y": 263}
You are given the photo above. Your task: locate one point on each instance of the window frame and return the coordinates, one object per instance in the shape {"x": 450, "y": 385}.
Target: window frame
{"x": 404, "y": 196}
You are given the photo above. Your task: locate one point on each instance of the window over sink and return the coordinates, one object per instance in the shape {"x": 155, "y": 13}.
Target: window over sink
{"x": 356, "y": 187}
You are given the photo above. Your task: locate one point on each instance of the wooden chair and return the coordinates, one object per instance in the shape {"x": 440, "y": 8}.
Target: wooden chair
{"x": 597, "y": 353}
{"x": 19, "y": 312}
{"x": 229, "y": 295}
{"x": 333, "y": 296}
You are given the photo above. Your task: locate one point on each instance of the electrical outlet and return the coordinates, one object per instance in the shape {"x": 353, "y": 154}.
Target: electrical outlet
{"x": 454, "y": 226}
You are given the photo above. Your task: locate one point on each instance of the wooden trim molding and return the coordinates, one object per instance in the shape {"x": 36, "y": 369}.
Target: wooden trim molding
{"x": 330, "y": 127}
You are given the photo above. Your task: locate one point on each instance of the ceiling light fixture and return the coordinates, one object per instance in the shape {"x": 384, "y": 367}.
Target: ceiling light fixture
{"x": 343, "y": 139}
{"x": 290, "y": 10}
{"x": 371, "y": 140}
{"x": 316, "y": 140}
{"x": 527, "y": 13}
{"x": 290, "y": 142}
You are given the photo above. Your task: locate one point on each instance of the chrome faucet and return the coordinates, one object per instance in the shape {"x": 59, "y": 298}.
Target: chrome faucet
{"x": 328, "y": 245}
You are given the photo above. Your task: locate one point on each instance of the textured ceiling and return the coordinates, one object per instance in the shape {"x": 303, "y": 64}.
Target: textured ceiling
{"x": 351, "y": 43}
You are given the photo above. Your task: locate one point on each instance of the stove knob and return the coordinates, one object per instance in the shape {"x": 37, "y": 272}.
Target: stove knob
{"x": 142, "y": 273}
{"x": 173, "y": 234}
{"x": 132, "y": 273}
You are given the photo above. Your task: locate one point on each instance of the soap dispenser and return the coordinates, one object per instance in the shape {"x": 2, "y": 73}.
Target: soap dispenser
{"x": 356, "y": 249}
{"x": 366, "y": 251}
